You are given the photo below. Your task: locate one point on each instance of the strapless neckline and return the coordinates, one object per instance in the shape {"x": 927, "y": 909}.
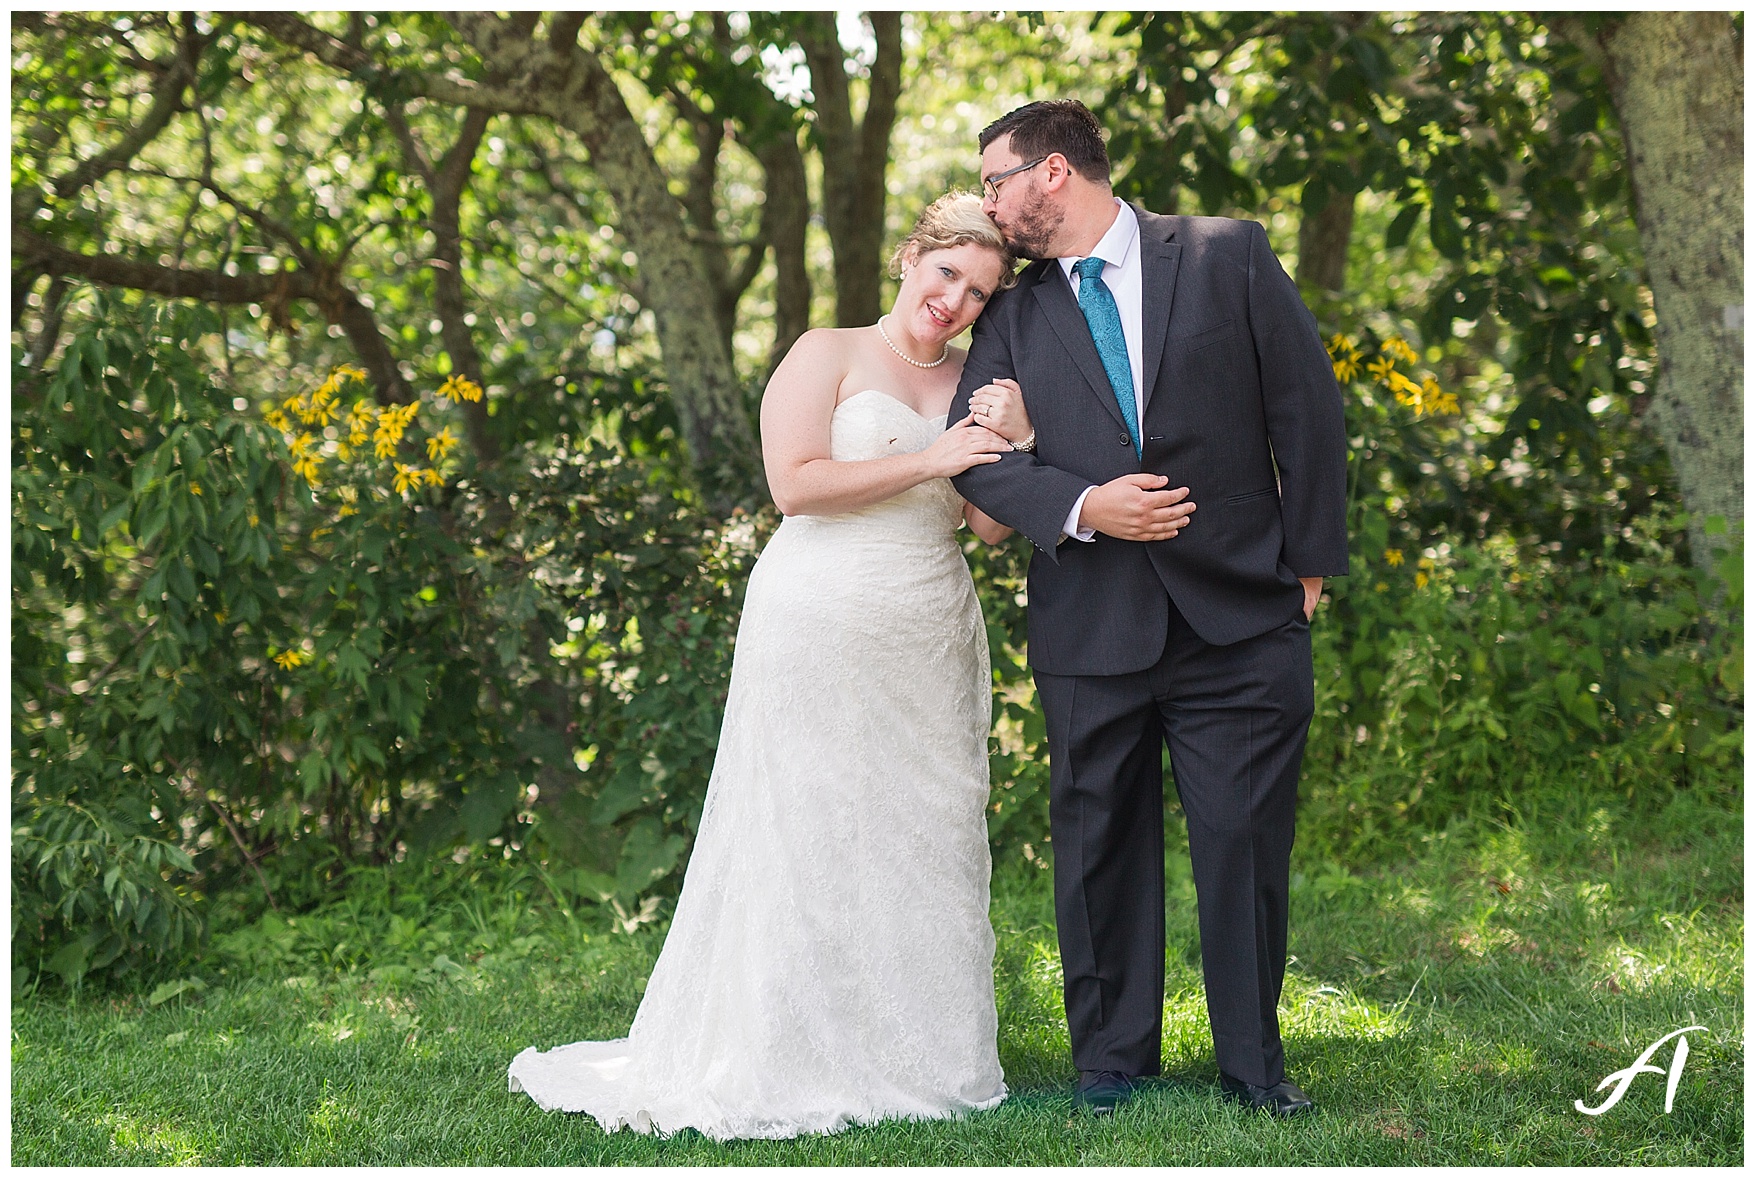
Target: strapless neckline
{"x": 891, "y": 398}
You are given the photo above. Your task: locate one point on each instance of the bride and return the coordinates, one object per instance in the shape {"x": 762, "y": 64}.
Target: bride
{"x": 830, "y": 961}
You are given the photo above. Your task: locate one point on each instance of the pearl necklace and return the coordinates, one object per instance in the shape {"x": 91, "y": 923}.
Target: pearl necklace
{"x": 917, "y": 363}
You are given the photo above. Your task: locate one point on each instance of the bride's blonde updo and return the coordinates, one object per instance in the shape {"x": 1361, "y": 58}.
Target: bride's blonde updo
{"x": 952, "y": 220}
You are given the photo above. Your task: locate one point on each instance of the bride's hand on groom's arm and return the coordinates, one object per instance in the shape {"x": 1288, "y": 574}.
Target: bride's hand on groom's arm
{"x": 1137, "y": 507}
{"x": 1000, "y": 407}
{"x": 965, "y": 444}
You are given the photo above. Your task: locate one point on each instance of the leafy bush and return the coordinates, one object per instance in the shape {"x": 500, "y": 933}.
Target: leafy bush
{"x": 247, "y": 660}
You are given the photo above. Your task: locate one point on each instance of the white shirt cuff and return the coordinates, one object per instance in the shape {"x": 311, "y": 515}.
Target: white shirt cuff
{"x": 1071, "y": 526}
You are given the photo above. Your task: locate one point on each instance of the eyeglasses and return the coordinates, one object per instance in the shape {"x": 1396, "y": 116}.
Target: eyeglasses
{"x": 991, "y": 184}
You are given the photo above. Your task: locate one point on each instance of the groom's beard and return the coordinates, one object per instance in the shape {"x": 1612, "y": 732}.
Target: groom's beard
{"x": 1031, "y": 235}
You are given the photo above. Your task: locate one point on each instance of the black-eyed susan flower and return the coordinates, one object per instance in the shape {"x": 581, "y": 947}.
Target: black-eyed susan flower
{"x": 460, "y": 388}
{"x": 1399, "y": 348}
{"x": 441, "y": 444}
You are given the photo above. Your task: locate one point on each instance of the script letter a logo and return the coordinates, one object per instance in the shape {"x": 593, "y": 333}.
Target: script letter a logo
{"x": 1623, "y": 1079}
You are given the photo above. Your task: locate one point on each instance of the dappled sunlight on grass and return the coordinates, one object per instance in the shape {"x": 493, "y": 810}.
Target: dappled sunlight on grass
{"x": 147, "y": 1141}
{"x": 1312, "y": 1011}
{"x": 1436, "y": 1018}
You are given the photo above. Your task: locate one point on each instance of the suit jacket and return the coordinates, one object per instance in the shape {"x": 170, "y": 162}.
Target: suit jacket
{"x": 1243, "y": 410}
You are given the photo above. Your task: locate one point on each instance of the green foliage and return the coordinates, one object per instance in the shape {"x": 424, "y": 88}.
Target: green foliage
{"x": 292, "y": 679}
{"x": 1451, "y": 681}
{"x": 107, "y": 890}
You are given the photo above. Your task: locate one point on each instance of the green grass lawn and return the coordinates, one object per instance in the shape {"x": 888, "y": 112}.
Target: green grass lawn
{"x": 1446, "y": 1008}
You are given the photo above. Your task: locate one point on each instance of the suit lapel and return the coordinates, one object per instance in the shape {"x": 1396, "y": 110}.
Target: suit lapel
{"x": 1054, "y": 295}
{"x": 1159, "y": 262}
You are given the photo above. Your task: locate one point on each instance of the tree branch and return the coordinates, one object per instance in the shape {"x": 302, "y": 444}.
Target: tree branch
{"x": 174, "y": 281}
{"x": 338, "y": 304}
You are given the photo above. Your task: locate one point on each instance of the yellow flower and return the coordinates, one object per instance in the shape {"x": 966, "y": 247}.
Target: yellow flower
{"x": 343, "y": 452}
{"x": 307, "y": 467}
{"x": 350, "y": 371}
{"x": 392, "y": 420}
{"x": 194, "y": 487}
{"x": 460, "y": 388}
{"x": 1392, "y": 557}
{"x": 1435, "y": 400}
{"x": 314, "y": 410}
{"x": 1405, "y": 390}
{"x": 359, "y": 422}
{"x": 433, "y": 477}
{"x": 1340, "y": 345}
{"x": 1399, "y": 347}
{"x": 288, "y": 659}
{"x": 441, "y": 444}
{"x": 278, "y": 420}
{"x": 301, "y": 445}
{"x": 1346, "y": 368}
{"x": 347, "y": 511}
{"x": 406, "y": 477}
{"x": 1381, "y": 367}
{"x": 1421, "y": 580}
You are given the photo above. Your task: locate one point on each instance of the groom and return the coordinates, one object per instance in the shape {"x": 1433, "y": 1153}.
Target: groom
{"x": 1165, "y": 362}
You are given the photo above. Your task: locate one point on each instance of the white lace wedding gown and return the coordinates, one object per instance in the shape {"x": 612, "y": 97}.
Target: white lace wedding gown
{"x": 830, "y": 960}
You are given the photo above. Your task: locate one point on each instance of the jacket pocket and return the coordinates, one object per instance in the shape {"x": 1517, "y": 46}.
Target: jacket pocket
{"x": 1261, "y": 494}
{"x": 1202, "y": 338}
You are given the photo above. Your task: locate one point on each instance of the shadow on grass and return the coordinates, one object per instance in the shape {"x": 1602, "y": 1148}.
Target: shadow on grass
{"x": 1448, "y": 1009}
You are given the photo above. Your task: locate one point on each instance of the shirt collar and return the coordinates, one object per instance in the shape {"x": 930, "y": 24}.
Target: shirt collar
{"x": 1116, "y": 245}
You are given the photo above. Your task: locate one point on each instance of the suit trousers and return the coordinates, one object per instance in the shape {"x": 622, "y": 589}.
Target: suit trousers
{"x": 1235, "y": 719}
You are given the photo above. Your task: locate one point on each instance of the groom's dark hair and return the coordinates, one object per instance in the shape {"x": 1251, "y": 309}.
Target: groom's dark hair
{"x": 1063, "y": 125}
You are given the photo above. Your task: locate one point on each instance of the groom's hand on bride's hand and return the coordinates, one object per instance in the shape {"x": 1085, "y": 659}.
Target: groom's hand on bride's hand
{"x": 1137, "y": 507}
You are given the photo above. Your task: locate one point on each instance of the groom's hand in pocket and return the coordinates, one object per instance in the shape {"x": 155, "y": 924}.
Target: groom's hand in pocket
{"x": 1137, "y": 507}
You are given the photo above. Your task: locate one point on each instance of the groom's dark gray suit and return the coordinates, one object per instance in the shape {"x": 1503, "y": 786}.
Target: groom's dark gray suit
{"x": 1198, "y": 641}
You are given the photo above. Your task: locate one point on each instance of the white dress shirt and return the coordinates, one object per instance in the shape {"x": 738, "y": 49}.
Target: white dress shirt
{"x": 1120, "y": 251}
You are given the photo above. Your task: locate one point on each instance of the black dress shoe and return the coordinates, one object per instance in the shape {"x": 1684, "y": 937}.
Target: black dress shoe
{"x": 1104, "y": 1092}
{"x": 1284, "y": 1099}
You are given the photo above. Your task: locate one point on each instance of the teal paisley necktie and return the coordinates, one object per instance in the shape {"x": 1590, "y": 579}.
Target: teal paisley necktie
{"x": 1104, "y": 319}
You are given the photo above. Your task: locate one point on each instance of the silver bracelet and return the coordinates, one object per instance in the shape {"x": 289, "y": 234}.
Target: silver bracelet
{"x": 1027, "y": 445}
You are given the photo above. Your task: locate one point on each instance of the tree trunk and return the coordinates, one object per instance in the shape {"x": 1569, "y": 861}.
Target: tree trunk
{"x": 855, "y": 159}
{"x": 570, "y": 85}
{"x": 1323, "y": 238}
{"x": 1676, "y": 79}
{"x": 785, "y": 215}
